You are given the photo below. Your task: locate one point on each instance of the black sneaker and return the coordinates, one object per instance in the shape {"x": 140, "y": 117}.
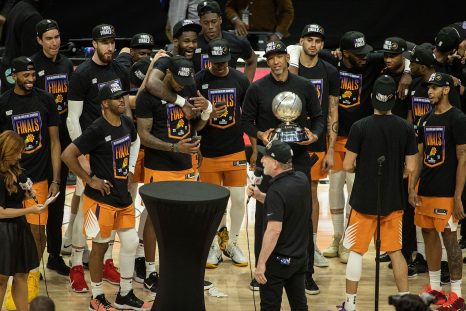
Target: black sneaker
{"x": 384, "y": 257}
{"x": 420, "y": 263}
{"x": 254, "y": 285}
{"x": 139, "y": 269}
{"x": 100, "y": 303}
{"x": 152, "y": 283}
{"x": 71, "y": 179}
{"x": 462, "y": 243}
{"x": 311, "y": 287}
{"x": 130, "y": 301}
{"x": 412, "y": 271}
{"x": 444, "y": 273}
{"x": 207, "y": 285}
{"x": 56, "y": 263}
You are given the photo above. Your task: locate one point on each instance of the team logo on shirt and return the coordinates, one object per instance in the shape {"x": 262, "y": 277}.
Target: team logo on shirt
{"x": 178, "y": 126}
{"x": 28, "y": 126}
{"x": 434, "y": 142}
{"x": 120, "y": 148}
{"x": 227, "y": 96}
{"x": 350, "y": 89}
{"x": 319, "y": 85}
{"x": 57, "y": 85}
{"x": 205, "y": 62}
{"x": 420, "y": 106}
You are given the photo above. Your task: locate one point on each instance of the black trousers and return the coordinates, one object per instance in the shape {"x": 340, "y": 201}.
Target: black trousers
{"x": 55, "y": 219}
{"x": 289, "y": 277}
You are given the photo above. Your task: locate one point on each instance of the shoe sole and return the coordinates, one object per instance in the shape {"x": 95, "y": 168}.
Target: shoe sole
{"x": 330, "y": 255}
{"x": 138, "y": 280}
{"x": 126, "y": 307}
{"x": 80, "y": 291}
{"x": 208, "y": 287}
{"x": 149, "y": 292}
{"x": 211, "y": 266}
{"x": 240, "y": 264}
{"x": 412, "y": 276}
{"x": 254, "y": 289}
{"x": 111, "y": 282}
{"x": 312, "y": 292}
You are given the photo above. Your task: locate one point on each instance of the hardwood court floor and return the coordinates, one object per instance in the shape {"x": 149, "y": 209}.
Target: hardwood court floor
{"x": 234, "y": 281}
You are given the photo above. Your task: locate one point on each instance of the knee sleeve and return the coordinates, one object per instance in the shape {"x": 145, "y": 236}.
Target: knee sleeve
{"x": 354, "y": 267}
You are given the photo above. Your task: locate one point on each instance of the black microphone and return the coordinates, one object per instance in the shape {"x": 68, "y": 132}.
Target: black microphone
{"x": 380, "y": 161}
{"x": 256, "y": 179}
{"x": 26, "y": 184}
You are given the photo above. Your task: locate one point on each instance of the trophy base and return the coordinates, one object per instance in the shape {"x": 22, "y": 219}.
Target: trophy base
{"x": 290, "y": 134}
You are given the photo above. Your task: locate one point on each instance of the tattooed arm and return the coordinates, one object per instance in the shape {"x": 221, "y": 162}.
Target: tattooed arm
{"x": 332, "y": 129}
{"x": 458, "y": 211}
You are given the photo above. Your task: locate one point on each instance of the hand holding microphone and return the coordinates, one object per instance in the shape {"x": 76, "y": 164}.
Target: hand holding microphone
{"x": 26, "y": 184}
{"x": 252, "y": 189}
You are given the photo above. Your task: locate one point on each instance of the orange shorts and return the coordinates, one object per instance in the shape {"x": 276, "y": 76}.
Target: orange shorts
{"x": 42, "y": 191}
{"x": 139, "y": 170}
{"x": 108, "y": 217}
{"x": 434, "y": 212}
{"x": 155, "y": 176}
{"x": 362, "y": 228}
{"x": 195, "y": 161}
{"x": 339, "y": 154}
{"x": 316, "y": 170}
{"x": 228, "y": 170}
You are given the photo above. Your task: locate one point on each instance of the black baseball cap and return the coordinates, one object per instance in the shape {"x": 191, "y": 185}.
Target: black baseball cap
{"x": 185, "y": 25}
{"x": 394, "y": 45}
{"x": 440, "y": 79}
{"x": 355, "y": 42}
{"x": 22, "y": 63}
{"x": 384, "y": 93}
{"x": 45, "y": 25}
{"x": 219, "y": 51}
{"x": 461, "y": 28}
{"x": 447, "y": 39}
{"x": 141, "y": 41}
{"x": 103, "y": 31}
{"x": 138, "y": 71}
{"x": 313, "y": 29}
{"x": 275, "y": 47}
{"x": 111, "y": 90}
{"x": 277, "y": 150}
{"x": 423, "y": 55}
{"x": 208, "y": 6}
{"x": 182, "y": 70}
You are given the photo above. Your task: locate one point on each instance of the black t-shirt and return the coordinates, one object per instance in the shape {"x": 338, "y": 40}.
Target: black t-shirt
{"x": 30, "y": 116}
{"x": 13, "y": 200}
{"x": 53, "y": 77}
{"x": 168, "y": 124}
{"x": 324, "y": 76}
{"x": 125, "y": 60}
{"x": 355, "y": 90}
{"x": 223, "y": 135}
{"x": 109, "y": 147}
{"x": 86, "y": 82}
{"x": 239, "y": 48}
{"x": 258, "y": 116}
{"x": 371, "y": 138}
{"x": 401, "y": 105}
{"x": 440, "y": 134}
{"x": 282, "y": 203}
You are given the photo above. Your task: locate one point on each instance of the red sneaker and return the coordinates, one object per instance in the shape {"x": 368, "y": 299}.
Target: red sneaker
{"x": 440, "y": 297}
{"x": 110, "y": 273}
{"x": 454, "y": 303}
{"x": 77, "y": 281}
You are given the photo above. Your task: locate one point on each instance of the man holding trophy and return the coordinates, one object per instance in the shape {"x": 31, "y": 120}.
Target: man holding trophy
{"x": 283, "y": 106}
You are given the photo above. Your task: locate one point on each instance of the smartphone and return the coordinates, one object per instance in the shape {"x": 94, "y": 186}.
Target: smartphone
{"x": 196, "y": 138}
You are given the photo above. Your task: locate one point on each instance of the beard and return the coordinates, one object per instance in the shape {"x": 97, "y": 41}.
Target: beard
{"x": 104, "y": 58}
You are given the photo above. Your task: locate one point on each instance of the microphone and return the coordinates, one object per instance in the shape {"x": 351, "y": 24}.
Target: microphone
{"x": 380, "y": 161}
{"x": 256, "y": 179}
{"x": 26, "y": 184}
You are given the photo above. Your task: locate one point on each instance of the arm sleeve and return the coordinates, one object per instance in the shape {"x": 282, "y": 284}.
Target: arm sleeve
{"x": 29, "y": 43}
{"x": 248, "y": 118}
{"x": 285, "y": 16}
{"x": 275, "y": 206}
{"x": 75, "y": 109}
{"x": 133, "y": 153}
{"x": 353, "y": 143}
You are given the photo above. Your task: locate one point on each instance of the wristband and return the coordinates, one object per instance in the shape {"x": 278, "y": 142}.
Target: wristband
{"x": 407, "y": 69}
{"x": 279, "y": 35}
{"x": 205, "y": 115}
{"x": 234, "y": 19}
{"x": 295, "y": 52}
{"x": 180, "y": 101}
{"x": 176, "y": 148}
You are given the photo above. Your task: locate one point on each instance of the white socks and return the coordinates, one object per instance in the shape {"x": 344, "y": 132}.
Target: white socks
{"x": 96, "y": 289}
{"x": 140, "y": 250}
{"x": 350, "y": 302}
{"x": 76, "y": 256}
{"x": 236, "y": 211}
{"x": 150, "y": 267}
{"x": 434, "y": 277}
{"x": 456, "y": 287}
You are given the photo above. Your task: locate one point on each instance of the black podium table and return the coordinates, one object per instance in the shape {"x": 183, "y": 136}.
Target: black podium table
{"x": 185, "y": 216}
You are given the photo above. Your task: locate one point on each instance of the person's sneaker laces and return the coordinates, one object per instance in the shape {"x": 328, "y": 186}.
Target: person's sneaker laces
{"x": 56, "y": 263}
{"x": 236, "y": 255}
{"x": 439, "y": 296}
{"x": 151, "y": 283}
{"x": 332, "y": 250}
{"x": 215, "y": 256}
{"x": 77, "y": 282}
{"x": 110, "y": 273}
{"x": 223, "y": 238}
{"x": 130, "y": 301}
{"x": 454, "y": 303}
{"x": 100, "y": 303}
{"x": 311, "y": 287}
{"x": 207, "y": 285}
{"x": 254, "y": 285}
{"x": 139, "y": 270}
{"x": 319, "y": 259}
{"x": 444, "y": 273}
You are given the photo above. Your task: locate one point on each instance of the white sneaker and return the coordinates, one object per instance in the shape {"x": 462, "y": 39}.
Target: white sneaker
{"x": 65, "y": 247}
{"x": 233, "y": 252}
{"x": 215, "y": 256}
{"x": 332, "y": 250}
{"x": 319, "y": 259}
{"x": 343, "y": 253}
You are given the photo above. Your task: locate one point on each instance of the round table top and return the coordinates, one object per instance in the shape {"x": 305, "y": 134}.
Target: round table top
{"x": 184, "y": 192}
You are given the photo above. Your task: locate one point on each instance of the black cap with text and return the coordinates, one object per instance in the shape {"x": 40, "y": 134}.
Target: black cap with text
{"x": 313, "y": 29}
{"x": 355, "y": 42}
{"x": 182, "y": 70}
{"x": 275, "y": 47}
{"x": 219, "y": 51}
{"x": 440, "y": 79}
{"x": 185, "y": 25}
{"x": 138, "y": 71}
{"x": 208, "y": 6}
{"x": 111, "y": 90}
{"x": 394, "y": 45}
{"x": 22, "y": 63}
{"x": 277, "y": 150}
{"x": 45, "y": 25}
{"x": 384, "y": 93}
{"x": 103, "y": 31}
{"x": 141, "y": 41}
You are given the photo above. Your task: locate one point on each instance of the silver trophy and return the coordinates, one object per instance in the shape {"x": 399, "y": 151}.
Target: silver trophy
{"x": 287, "y": 107}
